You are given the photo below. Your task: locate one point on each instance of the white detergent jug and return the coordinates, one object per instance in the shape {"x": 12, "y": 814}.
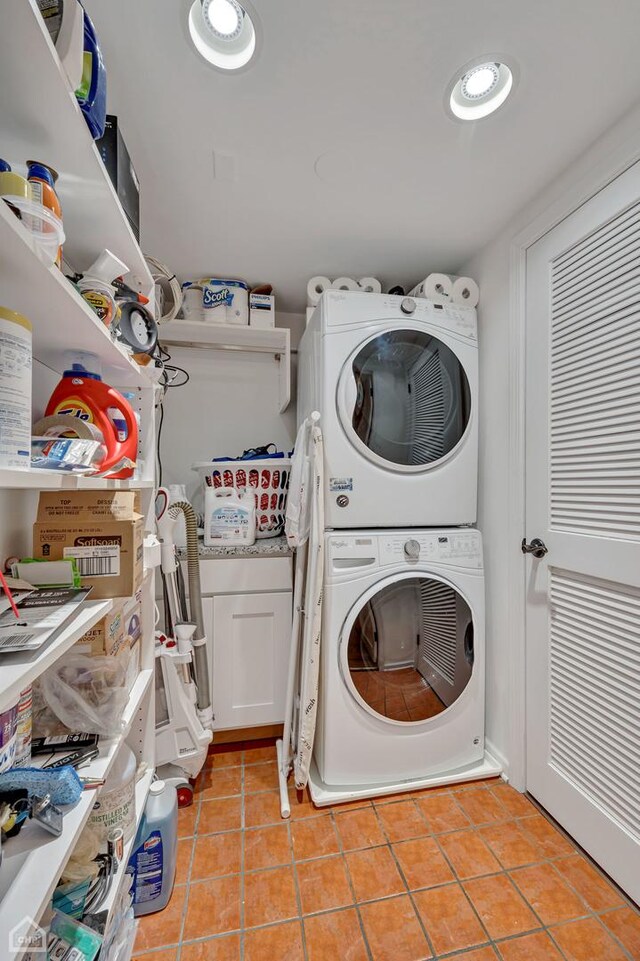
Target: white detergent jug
{"x": 229, "y": 517}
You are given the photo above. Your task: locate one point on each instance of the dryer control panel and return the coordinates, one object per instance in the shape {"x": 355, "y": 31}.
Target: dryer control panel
{"x": 460, "y": 547}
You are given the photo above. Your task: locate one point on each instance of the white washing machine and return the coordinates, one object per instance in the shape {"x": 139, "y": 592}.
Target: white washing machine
{"x": 402, "y": 686}
{"x": 396, "y": 382}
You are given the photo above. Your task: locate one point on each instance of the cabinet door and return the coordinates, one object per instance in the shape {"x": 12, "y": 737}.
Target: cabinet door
{"x": 251, "y": 638}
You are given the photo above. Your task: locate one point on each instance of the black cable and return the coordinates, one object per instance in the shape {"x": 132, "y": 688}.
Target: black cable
{"x": 158, "y": 438}
{"x": 166, "y": 382}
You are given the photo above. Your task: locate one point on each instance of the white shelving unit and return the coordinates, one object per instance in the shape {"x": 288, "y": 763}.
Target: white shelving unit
{"x": 275, "y": 341}
{"x": 33, "y": 861}
{"x": 51, "y": 480}
{"x": 41, "y": 120}
{"x": 20, "y": 670}
{"x": 61, "y": 319}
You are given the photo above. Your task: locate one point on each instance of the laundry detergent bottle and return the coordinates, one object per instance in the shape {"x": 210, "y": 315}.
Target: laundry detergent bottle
{"x": 153, "y": 861}
{"x": 82, "y": 393}
{"x": 229, "y": 517}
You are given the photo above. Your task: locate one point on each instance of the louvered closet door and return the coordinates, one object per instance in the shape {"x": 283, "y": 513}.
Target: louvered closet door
{"x": 583, "y": 501}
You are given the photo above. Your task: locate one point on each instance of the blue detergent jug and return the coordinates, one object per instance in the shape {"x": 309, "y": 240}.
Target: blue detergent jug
{"x": 153, "y": 861}
{"x": 92, "y": 92}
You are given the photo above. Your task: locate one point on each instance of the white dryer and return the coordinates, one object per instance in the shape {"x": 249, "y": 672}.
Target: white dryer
{"x": 402, "y": 685}
{"x": 396, "y": 383}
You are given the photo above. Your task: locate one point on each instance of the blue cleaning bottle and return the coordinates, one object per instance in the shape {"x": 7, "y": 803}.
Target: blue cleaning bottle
{"x": 153, "y": 861}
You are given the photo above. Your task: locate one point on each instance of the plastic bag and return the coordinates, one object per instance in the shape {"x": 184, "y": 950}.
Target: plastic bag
{"x": 88, "y": 693}
{"x": 82, "y": 862}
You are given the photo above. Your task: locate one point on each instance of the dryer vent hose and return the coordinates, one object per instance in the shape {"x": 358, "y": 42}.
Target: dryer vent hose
{"x": 200, "y": 660}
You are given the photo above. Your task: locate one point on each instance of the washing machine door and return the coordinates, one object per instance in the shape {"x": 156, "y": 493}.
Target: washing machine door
{"x": 404, "y": 400}
{"x": 406, "y": 650}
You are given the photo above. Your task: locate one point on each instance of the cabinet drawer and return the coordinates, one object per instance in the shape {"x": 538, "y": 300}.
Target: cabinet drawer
{"x": 250, "y": 642}
{"x": 231, "y": 575}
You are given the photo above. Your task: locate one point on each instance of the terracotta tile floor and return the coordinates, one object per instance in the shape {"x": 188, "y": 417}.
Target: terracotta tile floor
{"x": 469, "y": 873}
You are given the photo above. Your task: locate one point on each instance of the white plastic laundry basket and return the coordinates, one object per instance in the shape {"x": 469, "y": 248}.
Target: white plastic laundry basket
{"x": 268, "y": 477}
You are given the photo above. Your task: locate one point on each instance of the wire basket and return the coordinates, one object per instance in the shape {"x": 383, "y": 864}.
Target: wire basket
{"x": 268, "y": 477}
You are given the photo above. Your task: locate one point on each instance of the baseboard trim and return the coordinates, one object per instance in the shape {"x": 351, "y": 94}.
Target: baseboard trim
{"x": 499, "y": 756}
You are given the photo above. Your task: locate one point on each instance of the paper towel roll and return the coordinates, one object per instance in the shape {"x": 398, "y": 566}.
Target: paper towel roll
{"x": 465, "y": 292}
{"x": 316, "y": 287}
{"x": 345, "y": 283}
{"x": 436, "y": 287}
{"x": 370, "y": 284}
{"x": 310, "y": 311}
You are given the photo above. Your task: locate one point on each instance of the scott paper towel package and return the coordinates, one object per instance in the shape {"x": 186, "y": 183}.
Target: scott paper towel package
{"x": 219, "y": 302}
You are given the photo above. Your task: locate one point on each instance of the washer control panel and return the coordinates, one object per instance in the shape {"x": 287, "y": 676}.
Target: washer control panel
{"x": 461, "y": 547}
{"x": 457, "y": 546}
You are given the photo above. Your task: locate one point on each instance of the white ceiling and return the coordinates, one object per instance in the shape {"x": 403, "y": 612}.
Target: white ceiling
{"x": 354, "y": 89}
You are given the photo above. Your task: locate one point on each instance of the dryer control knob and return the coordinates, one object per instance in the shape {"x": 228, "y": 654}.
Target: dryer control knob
{"x": 408, "y": 305}
{"x": 412, "y": 549}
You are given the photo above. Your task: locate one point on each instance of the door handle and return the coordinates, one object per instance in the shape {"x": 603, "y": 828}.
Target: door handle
{"x": 537, "y": 547}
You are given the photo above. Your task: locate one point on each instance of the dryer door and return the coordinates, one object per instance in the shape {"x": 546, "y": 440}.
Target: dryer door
{"x": 407, "y": 648}
{"x": 404, "y": 400}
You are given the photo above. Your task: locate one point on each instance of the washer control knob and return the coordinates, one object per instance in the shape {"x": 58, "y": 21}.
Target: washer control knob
{"x": 408, "y": 305}
{"x": 342, "y": 500}
{"x": 412, "y": 550}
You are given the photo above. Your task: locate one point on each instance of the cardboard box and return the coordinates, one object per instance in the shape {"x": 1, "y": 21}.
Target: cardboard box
{"x": 119, "y": 630}
{"x": 132, "y": 631}
{"x": 262, "y": 311}
{"x": 107, "y": 636}
{"x": 101, "y": 529}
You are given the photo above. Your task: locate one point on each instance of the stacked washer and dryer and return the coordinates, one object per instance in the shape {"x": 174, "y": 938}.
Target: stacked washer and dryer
{"x": 401, "y": 695}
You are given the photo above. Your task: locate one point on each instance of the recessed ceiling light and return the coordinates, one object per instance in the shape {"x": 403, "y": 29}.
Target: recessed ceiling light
{"x": 480, "y": 89}
{"x": 222, "y": 32}
{"x": 223, "y": 16}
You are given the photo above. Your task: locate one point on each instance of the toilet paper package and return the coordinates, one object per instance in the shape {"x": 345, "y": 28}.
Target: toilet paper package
{"x": 222, "y": 301}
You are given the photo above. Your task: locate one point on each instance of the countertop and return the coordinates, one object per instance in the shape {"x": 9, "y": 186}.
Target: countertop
{"x": 264, "y": 547}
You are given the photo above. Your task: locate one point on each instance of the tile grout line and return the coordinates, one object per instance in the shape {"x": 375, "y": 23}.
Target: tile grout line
{"x": 365, "y": 939}
{"x": 242, "y": 859}
{"x": 185, "y": 906}
{"x": 403, "y": 876}
{"x": 459, "y": 882}
{"x": 296, "y": 881}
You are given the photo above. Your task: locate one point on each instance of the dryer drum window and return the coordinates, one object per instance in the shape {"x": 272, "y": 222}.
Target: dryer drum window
{"x": 413, "y": 401}
{"x": 410, "y": 650}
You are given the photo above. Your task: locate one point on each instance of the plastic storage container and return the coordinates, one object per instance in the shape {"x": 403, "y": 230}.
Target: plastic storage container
{"x": 229, "y": 517}
{"x": 153, "y": 861}
{"x": 267, "y": 478}
{"x": 15, "y": 389}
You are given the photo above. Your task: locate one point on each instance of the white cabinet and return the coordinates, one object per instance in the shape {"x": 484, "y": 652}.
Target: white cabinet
{"x": 248, "y": 625}
{"x": 250, "y": 640}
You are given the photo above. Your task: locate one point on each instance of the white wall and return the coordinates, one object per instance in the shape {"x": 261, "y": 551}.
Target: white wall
{"x": 499, "y": 490}
{"x": 229, "y": 405}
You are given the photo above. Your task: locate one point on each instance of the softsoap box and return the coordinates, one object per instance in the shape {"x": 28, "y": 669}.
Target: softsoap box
{"x": 220, "y": 302}
{"x": 102, "y": 530}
